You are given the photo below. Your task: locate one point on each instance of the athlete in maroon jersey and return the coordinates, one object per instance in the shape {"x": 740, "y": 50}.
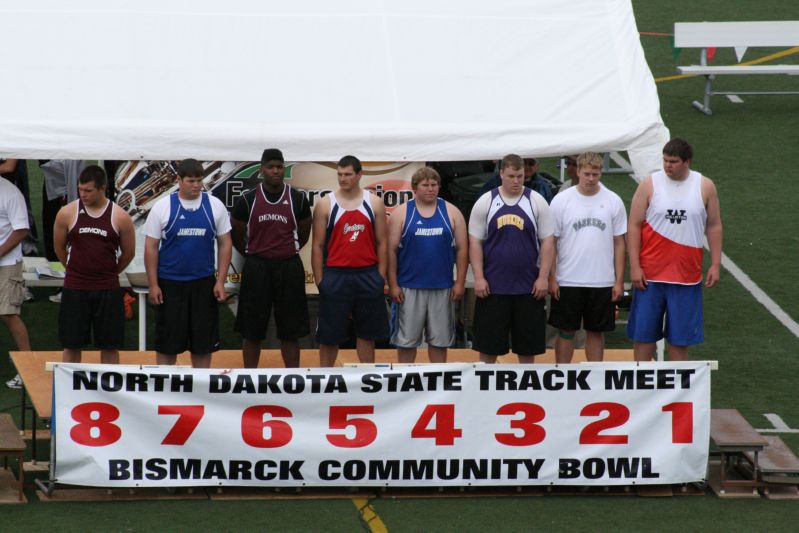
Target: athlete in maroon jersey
{"x": 270, "y": 224}
{"x": 349, "y": 259}
{"x": 88, "y": 234}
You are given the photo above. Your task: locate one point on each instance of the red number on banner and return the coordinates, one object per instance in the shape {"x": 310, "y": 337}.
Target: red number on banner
{"x": 533, "y": 433}
{"x": 365, "y": 429}
{"x": 444, "y": 432}
{"x": 95, "y": 416}
{"x": 618, "y": 415}
{"x": 188, "y": 419}
{"x": 253, "y": 424}
{"x": 682, "y": 421}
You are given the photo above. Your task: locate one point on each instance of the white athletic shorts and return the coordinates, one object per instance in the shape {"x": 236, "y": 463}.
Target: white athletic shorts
{"x": 428, "y": 310}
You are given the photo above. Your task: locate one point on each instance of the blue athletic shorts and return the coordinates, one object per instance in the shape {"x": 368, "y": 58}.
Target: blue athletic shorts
{"x": 355, "y": 293}
{"x": 680, "y": 304}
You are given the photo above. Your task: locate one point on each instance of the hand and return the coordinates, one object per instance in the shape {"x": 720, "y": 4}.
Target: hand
{"x": 457, "y": 291}
{"x": 481, "y": 289}
{"x": 638, "y": 279}
{"x": 554, "y": 288}
{"x": 397, "y": 296}
{"x": 219, "y": 291}
{"x": 617, "y": 292}
{"x": 155, "y": 296}
{"x": 540, "y": 288}
{"x": 712, "y": 276}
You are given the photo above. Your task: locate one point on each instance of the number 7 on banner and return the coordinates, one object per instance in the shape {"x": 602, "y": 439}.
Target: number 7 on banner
{"x": 189, "y": 417}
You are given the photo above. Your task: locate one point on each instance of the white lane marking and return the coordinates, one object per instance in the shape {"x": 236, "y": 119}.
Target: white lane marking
{"x": 779, "y": 425}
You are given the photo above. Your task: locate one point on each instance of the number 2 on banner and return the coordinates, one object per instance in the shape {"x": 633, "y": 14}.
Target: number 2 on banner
{"x": 618, "y": 415}
{"x": 189, "y": 417}
{"x": 444, "y": 432}
{"x": 94, "y": 424}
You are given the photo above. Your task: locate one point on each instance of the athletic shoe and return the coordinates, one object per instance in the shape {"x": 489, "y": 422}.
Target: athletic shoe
{"x": 56, "y": 298}
{"x": 15, "y": 383}
{"x": 28, "y": 295}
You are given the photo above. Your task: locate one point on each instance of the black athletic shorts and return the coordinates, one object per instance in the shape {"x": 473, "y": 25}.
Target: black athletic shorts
{"x": 83, "y": 312}
{"x": 189, "y": 317}
{"x": 518, "y": 316}
{"x": 355, "y": 292}
{"x": 268, "y": 284}
{"x": 588, "y": 307}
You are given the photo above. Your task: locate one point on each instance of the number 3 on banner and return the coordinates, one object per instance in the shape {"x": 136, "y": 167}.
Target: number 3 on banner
{"x": 94, "y": 424}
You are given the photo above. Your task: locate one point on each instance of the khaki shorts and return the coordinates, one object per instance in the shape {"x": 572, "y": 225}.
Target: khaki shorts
{"x": 12, "y": 289}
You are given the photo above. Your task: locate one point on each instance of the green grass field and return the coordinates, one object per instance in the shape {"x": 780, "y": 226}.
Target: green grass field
{"x": 747, "y": 150}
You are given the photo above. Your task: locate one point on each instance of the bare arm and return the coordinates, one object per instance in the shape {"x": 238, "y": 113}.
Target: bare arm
{"x": 554, "y": 286}
{"x": 151, "y": 254}
{"x": 7, "y": 166}
{"x": 127, "y": 239}
{"x": 635, "y": 222}
{"x": 224, "y": 253}
{"x": 318, "y": 236}
{"x": 395, "y": 223}
{"x": 381, "y": 242}
{"x": 461, "y": 251}
{"x": 60, "y": 230}
{"x": 16, "y": 237}
{"x": 545, "y": 259}
{"x": 618, "y": 264}
{"x": 713, "y": 231}
{"x": 239, "y": 234}
{"x": 304, "y": 230}
{"x": 481, "y": 288}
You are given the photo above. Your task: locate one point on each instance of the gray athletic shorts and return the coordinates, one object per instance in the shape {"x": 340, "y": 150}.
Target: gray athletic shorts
{"x": 428, "y": 310}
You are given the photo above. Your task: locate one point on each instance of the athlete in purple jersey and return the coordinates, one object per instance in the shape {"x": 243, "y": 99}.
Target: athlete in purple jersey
{"x": 511, "y": 252}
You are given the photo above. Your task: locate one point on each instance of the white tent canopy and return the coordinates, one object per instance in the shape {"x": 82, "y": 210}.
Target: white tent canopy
{"x": 392, "y": 80}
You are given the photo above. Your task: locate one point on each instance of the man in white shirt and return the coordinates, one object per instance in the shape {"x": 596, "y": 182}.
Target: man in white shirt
{"x": 13, "y": 230}
{"x": 588, "y": 275}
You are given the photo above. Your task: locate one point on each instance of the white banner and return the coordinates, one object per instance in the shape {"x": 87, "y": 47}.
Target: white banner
{"x": 456, "y": 424}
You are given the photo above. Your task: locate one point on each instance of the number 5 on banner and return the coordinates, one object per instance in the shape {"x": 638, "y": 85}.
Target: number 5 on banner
{"x": 189, "y": 417}
{"x": 365, "y": 429}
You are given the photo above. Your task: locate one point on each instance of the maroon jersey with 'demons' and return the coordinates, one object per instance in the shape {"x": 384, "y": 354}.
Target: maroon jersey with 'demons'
{"x": 92, "y": 246}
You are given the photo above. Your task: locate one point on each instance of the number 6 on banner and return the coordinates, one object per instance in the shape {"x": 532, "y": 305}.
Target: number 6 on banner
{"x": 189, "y": 417}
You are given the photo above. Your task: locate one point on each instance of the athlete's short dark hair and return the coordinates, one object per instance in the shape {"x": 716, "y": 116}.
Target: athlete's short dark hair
{"x": 350, "y": 161}
{"x": 95, "y": 174}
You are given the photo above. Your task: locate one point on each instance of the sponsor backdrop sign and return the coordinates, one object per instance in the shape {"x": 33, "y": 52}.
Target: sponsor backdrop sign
{"x": 456, "y": 424}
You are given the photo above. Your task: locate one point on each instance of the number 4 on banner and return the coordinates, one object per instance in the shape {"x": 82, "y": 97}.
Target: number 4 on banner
{"x": 444, "y": 431}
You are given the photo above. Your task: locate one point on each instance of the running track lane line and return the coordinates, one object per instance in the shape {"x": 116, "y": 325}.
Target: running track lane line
{"x": 368, "y": 516}
{"x": 758, "y": 293}
{"x": 776, "y": 55}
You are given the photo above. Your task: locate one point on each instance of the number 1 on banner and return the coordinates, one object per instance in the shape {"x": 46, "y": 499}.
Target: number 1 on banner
{"x": 189, "y": 417}
{"x": 682, "y": 421}
{"x": 444, "y": 431}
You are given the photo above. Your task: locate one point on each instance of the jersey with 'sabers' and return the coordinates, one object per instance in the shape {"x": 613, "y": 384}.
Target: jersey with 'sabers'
{"x": 92, "y": 244}
{"x": 426, "y": 253}
{"x": 510, "y": 248}
{"x": 672, "y": 237}
{"x": 350, "y": 239}
{"x": 272, "y": 226}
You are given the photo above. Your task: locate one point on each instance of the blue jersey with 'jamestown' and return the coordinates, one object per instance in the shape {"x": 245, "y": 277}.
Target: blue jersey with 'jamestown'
{"x": 510, "y": 249}
{"x": 187, "y": 242}
{"x": 426, "y": 251}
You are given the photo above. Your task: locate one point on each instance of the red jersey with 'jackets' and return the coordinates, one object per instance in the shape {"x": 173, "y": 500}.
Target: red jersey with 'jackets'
{"x": 350, "y": 238}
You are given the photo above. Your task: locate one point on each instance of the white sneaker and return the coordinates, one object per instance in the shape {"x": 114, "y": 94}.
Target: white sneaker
{"x": 56, "y": 298}
{"x": 28, "y": 295}
{"x": 15, "y": 383}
